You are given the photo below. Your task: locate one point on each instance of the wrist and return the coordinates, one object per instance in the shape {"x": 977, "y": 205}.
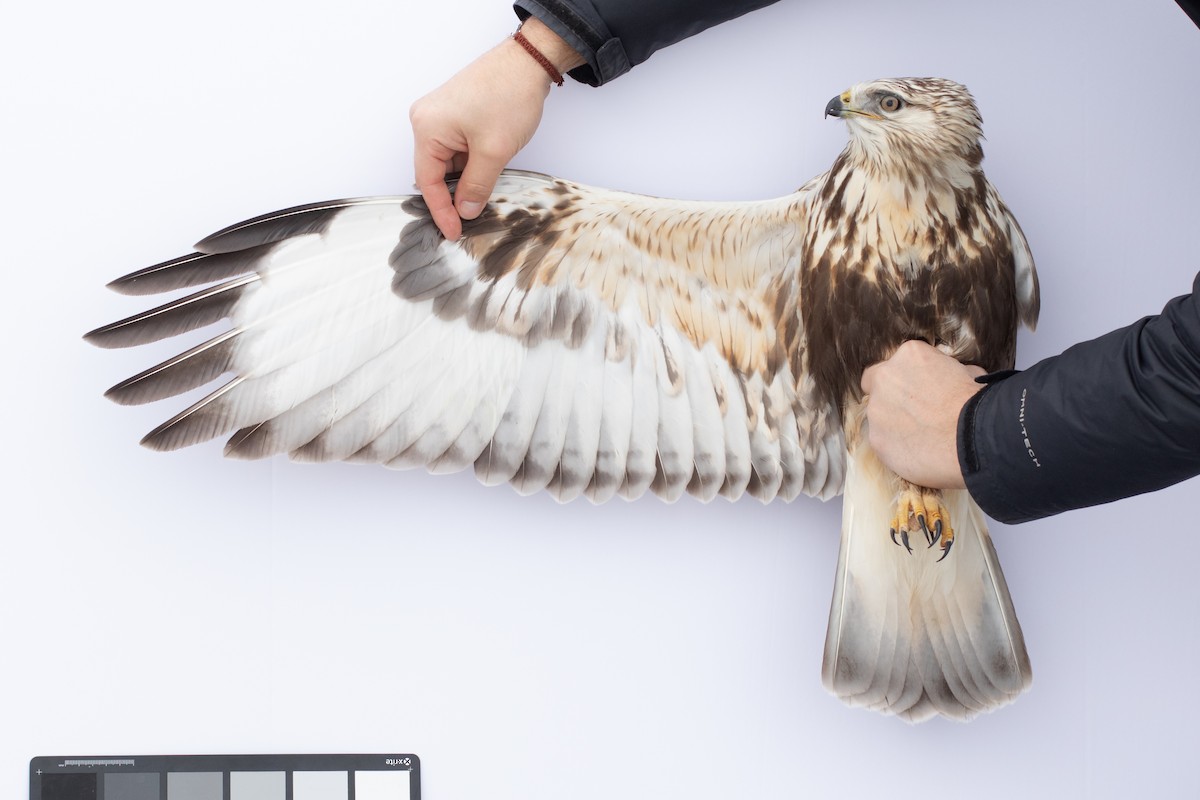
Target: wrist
{"x": 561, "y": 55}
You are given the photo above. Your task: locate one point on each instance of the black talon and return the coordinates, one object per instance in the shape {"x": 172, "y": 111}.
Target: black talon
{"x": 937, "y": 534}
{"x": 924, "y": 527}
{"x": 904, "y": 538}
{"x": 946, "y": 551}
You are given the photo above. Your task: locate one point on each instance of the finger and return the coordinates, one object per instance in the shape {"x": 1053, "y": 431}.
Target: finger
{"x": 867, "y": 381}
{"x": 430, "y": 173}
{"x": 476, "y": 183}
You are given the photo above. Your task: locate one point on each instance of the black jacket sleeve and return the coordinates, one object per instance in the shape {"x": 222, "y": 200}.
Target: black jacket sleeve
{"x": 1192, "y": 7}
{"x": 1107, "y": 419}
{"x": 614, "y": 35}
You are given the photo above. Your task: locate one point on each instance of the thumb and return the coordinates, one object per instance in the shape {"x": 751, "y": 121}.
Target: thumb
{"x": 475, "y": 186}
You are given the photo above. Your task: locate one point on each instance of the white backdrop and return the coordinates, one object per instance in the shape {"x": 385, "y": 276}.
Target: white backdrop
{"x": 185, "y": 604}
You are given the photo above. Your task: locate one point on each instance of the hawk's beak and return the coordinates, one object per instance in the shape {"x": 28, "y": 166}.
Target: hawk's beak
{"x": 840, "y": 107}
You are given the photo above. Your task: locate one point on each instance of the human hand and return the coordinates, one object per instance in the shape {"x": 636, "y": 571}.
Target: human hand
{"x": 913, "y": 401}
{"x": 478, "y": 120}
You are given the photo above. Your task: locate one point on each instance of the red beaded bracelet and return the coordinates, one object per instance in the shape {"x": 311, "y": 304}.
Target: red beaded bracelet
{"x": 555, "y": 75}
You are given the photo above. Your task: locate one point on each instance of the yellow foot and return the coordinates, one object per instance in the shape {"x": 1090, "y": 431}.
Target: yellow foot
{"x": 921, "y": 510}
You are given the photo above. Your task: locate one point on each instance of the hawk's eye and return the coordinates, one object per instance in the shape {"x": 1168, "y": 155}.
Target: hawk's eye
{"x": 891, "y": 103}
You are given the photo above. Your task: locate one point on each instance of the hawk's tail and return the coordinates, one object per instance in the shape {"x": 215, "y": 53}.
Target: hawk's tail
{"x": 909, "y": 635}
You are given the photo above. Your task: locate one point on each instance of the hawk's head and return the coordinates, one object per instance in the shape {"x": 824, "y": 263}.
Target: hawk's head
{"x": 901, "y": 124}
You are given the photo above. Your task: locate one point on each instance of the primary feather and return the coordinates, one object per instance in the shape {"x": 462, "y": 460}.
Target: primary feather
{"x": 592, "y": 342}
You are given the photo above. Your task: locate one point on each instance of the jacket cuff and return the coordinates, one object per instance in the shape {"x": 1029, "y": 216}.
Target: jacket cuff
{"x": 976, "y": 461}
{"x": 586, "y": 33}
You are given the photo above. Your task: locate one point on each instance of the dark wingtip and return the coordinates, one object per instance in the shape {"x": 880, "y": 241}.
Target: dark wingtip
{"x": 149, "y": 280}
{"x": 176, "y": 434}
{"x": 279, "y": 225}
{"x": 119, "y": 394}
{"x": 154, "y": 440}
{"x": 171, "y": 319}
{"x": 248, "y": 444}
{"x": 111, "y": 336}
{"x": 97, "y": 337}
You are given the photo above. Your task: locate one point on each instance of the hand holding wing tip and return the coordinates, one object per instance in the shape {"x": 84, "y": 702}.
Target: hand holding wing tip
{"x": 477, "y": 121}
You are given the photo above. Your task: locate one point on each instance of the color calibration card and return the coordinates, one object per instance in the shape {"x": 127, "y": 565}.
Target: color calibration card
{"x": 283, "y": 777}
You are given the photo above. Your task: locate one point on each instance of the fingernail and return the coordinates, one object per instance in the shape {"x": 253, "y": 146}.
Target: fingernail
{"x": 469, "y": 209}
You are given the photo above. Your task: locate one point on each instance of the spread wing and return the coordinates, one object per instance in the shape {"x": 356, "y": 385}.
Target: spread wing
{"x": 577, "y": 340}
